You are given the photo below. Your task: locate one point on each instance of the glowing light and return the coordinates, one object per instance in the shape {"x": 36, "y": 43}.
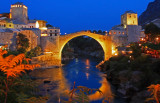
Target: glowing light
{"x": 87, "y": 75}
{"x": 115, "y": 54}
{"x": 87, "y": 63}
{"x": 157, "y": 38}
{"x": 43, "y": 28}
{"x": 114, "y": 51}
{"x": 44, "y": 34}
{"x": 37, "y": 24}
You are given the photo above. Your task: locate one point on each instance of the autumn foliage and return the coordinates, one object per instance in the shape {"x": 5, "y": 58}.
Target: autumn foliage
{"x": 155, "y": 92}
{"x": 13, "y": 66}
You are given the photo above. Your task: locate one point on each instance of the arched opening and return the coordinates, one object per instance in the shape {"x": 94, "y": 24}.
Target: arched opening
{"x": 81, "y": 46}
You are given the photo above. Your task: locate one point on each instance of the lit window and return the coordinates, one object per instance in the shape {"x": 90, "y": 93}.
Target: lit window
{"x": 114, "y": 32}
{"x": 119, "y": 32}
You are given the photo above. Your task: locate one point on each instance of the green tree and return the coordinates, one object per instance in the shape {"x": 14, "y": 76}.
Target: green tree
{"x": 22, "y": 43}
{"x": 94, "y": 31}
{"x": 99, "y": 31}
{"x": 49, "y": 25}
{"x": 136, "y": 50}
{"x": 152, "y": 30}
{"x": 34, "y": 52}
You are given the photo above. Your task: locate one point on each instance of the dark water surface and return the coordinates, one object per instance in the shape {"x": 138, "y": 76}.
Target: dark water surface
{"x": 57, "y": 82}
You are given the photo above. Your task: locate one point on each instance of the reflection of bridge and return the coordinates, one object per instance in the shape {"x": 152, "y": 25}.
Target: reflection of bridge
{"x": 54, "y": 46}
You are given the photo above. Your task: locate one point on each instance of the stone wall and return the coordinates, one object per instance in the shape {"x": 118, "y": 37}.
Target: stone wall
{"x": 133, "y": 32}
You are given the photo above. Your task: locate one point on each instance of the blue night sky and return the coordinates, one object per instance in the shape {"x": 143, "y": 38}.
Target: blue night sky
{"x": 76, "y": 15}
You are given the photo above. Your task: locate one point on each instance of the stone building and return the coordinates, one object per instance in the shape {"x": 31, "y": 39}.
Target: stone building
{"x": 19, "y": 12}
{"x": 17, "y": 22}
{"x": 118, "y": 35}
{"x": 128, "y": 31}
{"x": 18, "y": 19}
{"x": 33, "y": 34}
{"x": 129, "y": 18}
{"x": 8, "y": 37}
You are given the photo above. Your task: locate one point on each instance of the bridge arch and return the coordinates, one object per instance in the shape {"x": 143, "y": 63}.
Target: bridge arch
{"x": 103, "y": 40}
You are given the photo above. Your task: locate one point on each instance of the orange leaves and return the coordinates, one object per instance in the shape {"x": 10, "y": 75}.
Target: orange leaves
{"x": 155, "y": 91}
{"x": 13, "y": 66}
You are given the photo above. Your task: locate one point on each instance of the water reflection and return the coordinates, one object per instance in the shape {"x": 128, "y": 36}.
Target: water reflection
{"x": 82, "y": 71}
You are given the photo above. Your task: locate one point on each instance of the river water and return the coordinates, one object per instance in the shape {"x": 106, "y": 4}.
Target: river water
{"x": 57, "y": 82}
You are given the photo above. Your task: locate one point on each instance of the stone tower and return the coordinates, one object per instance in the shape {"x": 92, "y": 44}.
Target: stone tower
{"x": 129, "y": 18}
{"x": 19, "y": 12}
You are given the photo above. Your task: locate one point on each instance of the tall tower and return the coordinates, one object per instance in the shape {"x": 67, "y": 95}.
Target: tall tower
{"x": 19, "y": 12}
{"x": 129, "y": 18}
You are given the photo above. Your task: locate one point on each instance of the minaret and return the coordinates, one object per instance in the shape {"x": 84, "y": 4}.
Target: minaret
{"x": 19, "y": 12}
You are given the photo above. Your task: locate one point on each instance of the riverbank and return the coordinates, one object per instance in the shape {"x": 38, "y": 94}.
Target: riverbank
{"x": 132, "y": 76}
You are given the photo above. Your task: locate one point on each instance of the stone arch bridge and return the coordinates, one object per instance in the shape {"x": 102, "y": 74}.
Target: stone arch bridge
{"x": 53, "y": 46}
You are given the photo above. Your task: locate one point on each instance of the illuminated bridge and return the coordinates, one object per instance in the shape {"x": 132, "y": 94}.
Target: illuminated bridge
{"x": 53, "y": 46}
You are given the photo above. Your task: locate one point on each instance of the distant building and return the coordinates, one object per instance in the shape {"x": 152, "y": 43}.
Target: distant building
{"x": 17, "y": 22}
{"x": 128, "y": 31}
{"x": 18, "y": 19}
{"x": 33, "y": 34}
{"x": 19, "y": 12}
{"x": 118, "y": 35}
{"x": 129, "y": 18}
{"x": 8, "y": 37}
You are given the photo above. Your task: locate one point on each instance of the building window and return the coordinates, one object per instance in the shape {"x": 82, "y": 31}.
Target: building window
{"x": 114, "y": 32}
{"x": 119, "y": 32}
{"x": 9, "y": 25}
{"x": 50, "y": 34}
{"x": 55, "y": 34}
{"x": 110, "y": 33}
{"x": 55, "y": 30}
{"x": 4, "y": 25}
{"x": 50, "y": 30}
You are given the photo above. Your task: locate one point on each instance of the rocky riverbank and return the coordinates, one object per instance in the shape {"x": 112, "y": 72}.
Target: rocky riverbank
{"x": 131, "y": 77}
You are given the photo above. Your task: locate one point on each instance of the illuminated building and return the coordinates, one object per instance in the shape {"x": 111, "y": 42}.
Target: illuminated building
{"x": 33, "y": 35}
{"x": 129, "y": 18}
{"x": 128, "y": 31}
{"x": 17, "y": 20}
{"x": 19, "y": 12}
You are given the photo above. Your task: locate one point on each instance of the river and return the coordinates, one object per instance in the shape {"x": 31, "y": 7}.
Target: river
{"x": 57, "y": 82}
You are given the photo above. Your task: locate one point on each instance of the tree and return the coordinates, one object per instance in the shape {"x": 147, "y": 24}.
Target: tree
{"x": 94, "y": 31}
{"x": 12, "y": 66}
{"x": 49, "y": 25}
{"x": 22, "y": 43}
{"x": 99, "y": 31}
{"x": 136, "y": 50}
{"x": 34, "y": 52}
{"x": 152, "y": 31}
